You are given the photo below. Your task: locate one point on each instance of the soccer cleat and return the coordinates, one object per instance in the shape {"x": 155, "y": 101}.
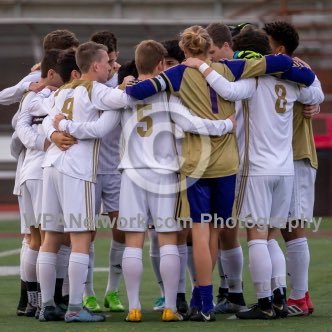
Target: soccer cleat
{"x": 227, "y": 307}
{"x": 309, "y": 303}
{"x": 159, "y": 305}
{"x": 255, "y": 312}
{"x": 113, "y": 302}
{"x": 297, "y": 307}
{"x": 84, "y": 315}
{"x": 281, "y": 309}
{"x": 50, "y": 313}
{"x": 90, "y": 302}
{"x": 37, "y": 313}
{"x": 203, "y": 317}
{"x": 134, "y": 316}
{"x": 30, "y": 310}
{"x": 181, "y": 303}
{"x": 222, "y": 294}
{"x": 170, "y": 316}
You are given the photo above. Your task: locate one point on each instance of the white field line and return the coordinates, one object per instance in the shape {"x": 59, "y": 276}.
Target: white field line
{"x": 6, "y": 271}
{"x": 12, "y": 252}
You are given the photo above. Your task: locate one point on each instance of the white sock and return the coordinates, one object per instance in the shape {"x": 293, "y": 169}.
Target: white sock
{"x": 260, "y": 267}
{"x": 183, "y": 252}
{"x": 47, "y": 275}
{"x": 278, "y": 265}
{"x": 191, "y": 266}
{"x": 30, "y": 262}
{"x": 115, "y": 266}
{"x": 77, "y": 272}
{"x": 155, "y": 258}
{"x": 132, "y": 268}
{"x": 88, "y": 289}
{"x": 62, "y": 261}
{"x": 232, "y": 263}
{"x": 170, "y": 272}
{"x": 223, "y": 277}
{"x": 298, "y": 260}
{"x": 24, "y": 247}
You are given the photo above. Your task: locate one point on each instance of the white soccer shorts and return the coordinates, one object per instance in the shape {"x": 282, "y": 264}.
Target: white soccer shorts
{"x": 148, "y": 193}
{"x": 68, "y": 203}
{"x": 31, "y": 204}
{"x": 303, "y": 196}
{"x": 107, "y": 192}
{"x": 265, "y": 200}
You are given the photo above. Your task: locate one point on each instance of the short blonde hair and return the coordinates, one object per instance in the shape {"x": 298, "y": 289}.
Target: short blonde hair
{"x": 196, "y": 40}
{"x": 148, "y": 54}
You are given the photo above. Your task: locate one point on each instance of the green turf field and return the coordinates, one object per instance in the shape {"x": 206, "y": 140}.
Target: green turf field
{"x": 320, "y": 285}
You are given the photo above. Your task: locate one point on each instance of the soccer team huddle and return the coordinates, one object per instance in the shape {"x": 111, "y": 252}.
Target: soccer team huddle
{"x": 188, "y": 142}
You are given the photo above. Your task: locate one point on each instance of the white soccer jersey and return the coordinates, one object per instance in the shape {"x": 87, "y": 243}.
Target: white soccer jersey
{"x": 265, "y": 128}
{"x": 14, "y": 93}
{"x": 82, "y": 101}
{"x": 33, "y": 138}
{"x": 109, "y": 154}
{"x": 30, "y": 136}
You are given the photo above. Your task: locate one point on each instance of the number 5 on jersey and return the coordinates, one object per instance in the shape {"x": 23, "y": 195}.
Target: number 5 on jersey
{"x": 145, "y": 121}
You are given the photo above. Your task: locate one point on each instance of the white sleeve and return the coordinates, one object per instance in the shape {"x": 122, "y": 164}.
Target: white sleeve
{"x": 42, "y": 103}
{"x": 27, "y": 134}
{"x": 242, "y": 89}
{"x": 193, "y": 124}
{"x": 15, "y": 93}
{"x": 16, "y": 146}
{"x": 94, "y": 129}
{"x": 48, "y": 127}
{"x": 105, "y": 98}
{"x": 312, "y": 95}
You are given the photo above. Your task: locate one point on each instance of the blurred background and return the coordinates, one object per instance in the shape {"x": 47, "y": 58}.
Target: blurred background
{"x": 23, "y": 23}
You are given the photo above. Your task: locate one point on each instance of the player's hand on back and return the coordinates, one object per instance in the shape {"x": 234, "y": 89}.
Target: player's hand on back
{"x": 63, "y": 140}
{"x": 36, "y": 67}
{"x": 300, "y": 63}
{"x": 193, "y": 62}
{"x": 57, "y": 120}
{"x": 128, "y": 80}
{"x": 310, "y": 110}
{"x": 36, "y": 87}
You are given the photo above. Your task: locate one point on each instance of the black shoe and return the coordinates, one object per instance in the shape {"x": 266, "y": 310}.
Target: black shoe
{"x": 20, "y": 311}
{"x": 23, "y": 302}
{"x": 50, "y": 313}
{"x": 201, "y": 317}
{"x": 255, "y": 312}
{"x": 30, "y": 310}
{"x": 281, "y": 309}
{"x": 181, "y": 303}
{"x": 222, "y": 294}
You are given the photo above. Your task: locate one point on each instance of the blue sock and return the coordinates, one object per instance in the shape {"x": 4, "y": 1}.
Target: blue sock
{"x": 196, "y": 300}
{"x": 207, "y": 298}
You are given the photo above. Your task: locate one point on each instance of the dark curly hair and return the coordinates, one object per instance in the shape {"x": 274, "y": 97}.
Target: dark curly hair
{"x": 173, "y": 49}
{"x": 252, "y": 40}
{"x": 284, "y": 34}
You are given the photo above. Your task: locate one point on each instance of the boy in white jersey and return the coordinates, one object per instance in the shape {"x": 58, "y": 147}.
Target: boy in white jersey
{"x": 284, "y": 39}
{"x": 69, "y": 178}
{"x": 266, "y": 175}
{"x": 107, "y": 194}
{"x": 31, "y": 172}
{"x": 58, "y": 39}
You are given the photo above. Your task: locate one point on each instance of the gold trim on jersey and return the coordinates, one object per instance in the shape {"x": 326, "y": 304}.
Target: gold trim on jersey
{"x": 95, "y": 158}
{"x": 76, "y": 83}
{"x": 88, "y": 206}
{"x": 245, "y": 168}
